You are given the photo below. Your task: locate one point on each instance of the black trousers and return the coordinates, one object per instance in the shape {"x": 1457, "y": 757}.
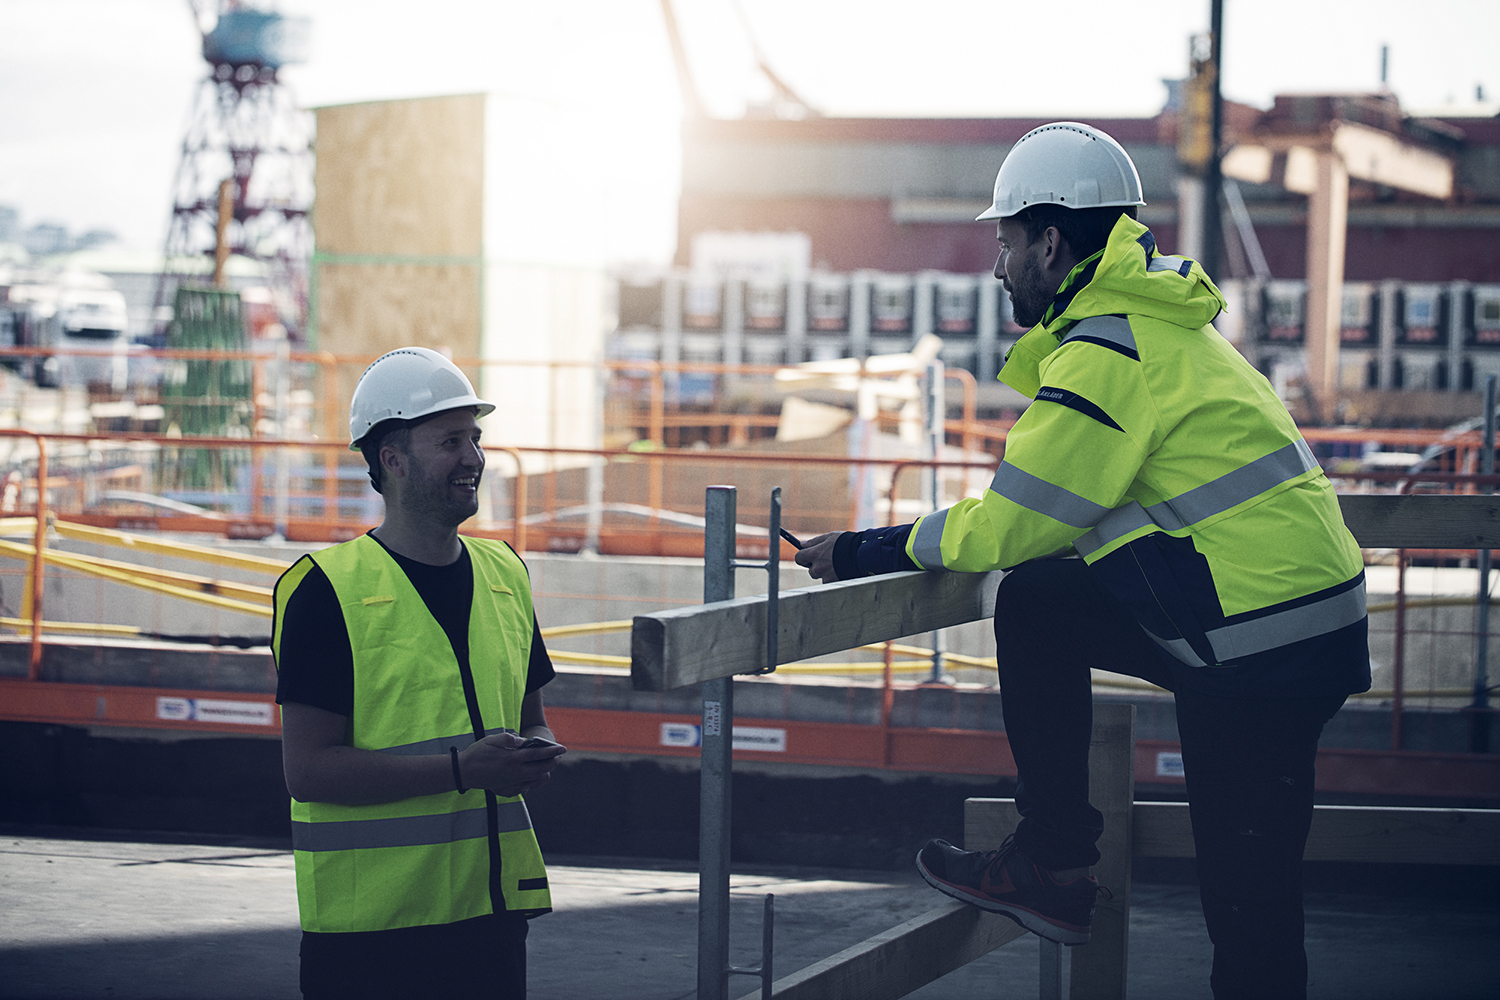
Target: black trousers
{"x": 1248, "y": 764}
{"x": 483, "y": 957}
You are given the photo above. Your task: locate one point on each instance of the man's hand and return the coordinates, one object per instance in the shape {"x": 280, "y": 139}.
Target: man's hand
{"x": 497, "y": 763}
{"x": 816, "y": 555}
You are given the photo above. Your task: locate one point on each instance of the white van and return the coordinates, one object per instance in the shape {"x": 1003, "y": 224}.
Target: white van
{"x": 87, "y": 319}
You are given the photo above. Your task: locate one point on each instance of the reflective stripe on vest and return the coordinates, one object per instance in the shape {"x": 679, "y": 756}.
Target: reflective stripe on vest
{"x": 1202, "y": 502}
{"x": 1280, "y": 628}
{"x": 1181, "y": 265}
{"x": 407, "y": 831}
{"x": 1045, "y": 498}
{"x": 927, "y": 546}
{"x": 1107, "y": 331}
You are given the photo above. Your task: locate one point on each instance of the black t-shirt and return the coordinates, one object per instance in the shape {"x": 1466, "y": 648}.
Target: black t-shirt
{"x": 316, "y": 665}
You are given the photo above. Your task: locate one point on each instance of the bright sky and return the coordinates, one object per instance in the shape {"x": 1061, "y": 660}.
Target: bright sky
{"x": 94, "y": 93}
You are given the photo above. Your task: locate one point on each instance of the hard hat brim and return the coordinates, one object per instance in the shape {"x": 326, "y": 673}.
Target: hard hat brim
{"x": 463, "y": 403}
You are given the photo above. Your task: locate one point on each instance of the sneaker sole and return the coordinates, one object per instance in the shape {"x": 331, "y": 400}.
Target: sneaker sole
{"x": 1033, "y": 921}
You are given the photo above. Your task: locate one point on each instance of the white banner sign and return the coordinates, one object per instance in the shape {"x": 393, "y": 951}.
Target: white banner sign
{"x": 685, "y": 734}
{"x": 244, "y": 713}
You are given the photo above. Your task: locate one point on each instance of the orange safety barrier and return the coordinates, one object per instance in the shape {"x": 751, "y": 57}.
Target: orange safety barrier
{"x": 876, "y": 747}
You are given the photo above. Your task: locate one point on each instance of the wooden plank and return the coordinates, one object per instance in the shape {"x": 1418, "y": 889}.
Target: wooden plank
{"x": 1387, "y": 521}
{"x": 672, "y": 649}
{"x": 904, "y": 958}
{"x": 1405, "y": 836}
{"x": 987, "y": 822}
{"x": 1099, "y": 967}
{"x": 1386, "y": 834}
{"x": 1163, "y": 830}
{"x": 1392, "y": 835}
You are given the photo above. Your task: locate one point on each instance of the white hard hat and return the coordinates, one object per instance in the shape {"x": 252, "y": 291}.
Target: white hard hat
{"x": 1067, "y": 164}
{"x": 407, "y": 384}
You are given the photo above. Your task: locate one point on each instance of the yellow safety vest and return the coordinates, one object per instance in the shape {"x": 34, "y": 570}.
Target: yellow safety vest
{"x": 423, "y": 860}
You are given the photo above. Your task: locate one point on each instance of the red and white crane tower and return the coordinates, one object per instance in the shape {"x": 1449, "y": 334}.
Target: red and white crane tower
{"x": 244, "y": 184}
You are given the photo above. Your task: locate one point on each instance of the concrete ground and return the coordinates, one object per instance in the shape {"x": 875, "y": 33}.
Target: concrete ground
{"x": 119, "y": 919}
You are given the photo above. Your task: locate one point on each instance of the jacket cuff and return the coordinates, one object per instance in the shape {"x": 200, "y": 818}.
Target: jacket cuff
{"x": 846, "y": 556}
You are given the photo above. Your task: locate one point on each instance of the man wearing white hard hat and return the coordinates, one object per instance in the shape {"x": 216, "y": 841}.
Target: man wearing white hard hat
{"x": 1162, "y": 517}
{"x": 410, "y": 669}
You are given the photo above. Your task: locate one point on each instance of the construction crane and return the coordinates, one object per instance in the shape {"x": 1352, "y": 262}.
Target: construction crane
{"x": 786, "y": 102}
{"x": 244, "y": 183}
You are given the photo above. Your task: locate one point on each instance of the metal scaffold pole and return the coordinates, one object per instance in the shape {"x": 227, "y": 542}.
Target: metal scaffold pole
{"x": 716, "y": 771}
{"x": 1479, "y": 733}
{"x": 717, "y": 766}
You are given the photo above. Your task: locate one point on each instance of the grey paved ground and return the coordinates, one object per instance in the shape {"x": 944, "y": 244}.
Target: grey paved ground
{"x": 130, "y": 920}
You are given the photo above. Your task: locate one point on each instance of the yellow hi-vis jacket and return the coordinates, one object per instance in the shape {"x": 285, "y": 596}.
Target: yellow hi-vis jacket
{"x": 1158, "y": 453}
{"x": 430, "y": 859}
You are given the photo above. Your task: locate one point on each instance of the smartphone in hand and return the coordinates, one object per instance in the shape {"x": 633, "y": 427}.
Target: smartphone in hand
{"x": 797, "y": 543}
{"x": 537, "y": 741}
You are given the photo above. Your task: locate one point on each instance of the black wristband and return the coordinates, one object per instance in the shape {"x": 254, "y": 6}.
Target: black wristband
{"x": 458, "y": 779}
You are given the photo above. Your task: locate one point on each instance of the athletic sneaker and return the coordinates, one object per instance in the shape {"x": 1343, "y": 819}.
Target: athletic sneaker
{"x": 1008, "y": 882}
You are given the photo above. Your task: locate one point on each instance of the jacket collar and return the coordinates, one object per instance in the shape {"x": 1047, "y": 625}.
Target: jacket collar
{"x": 1127, "y": 277}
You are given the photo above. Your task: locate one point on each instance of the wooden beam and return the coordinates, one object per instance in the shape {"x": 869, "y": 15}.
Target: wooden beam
{"x": 904, "y": 958}
{"x": 1386, "y": 521}
{"x": 1327, "y": 229}
{"x": 1373, "y": 155}
{"x": 1099, "y": 967}
{"x": 1388, "y": 835}
{"x": 672, "y": 649}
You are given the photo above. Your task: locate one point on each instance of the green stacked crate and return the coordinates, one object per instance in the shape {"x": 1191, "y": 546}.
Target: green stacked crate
{"x": 207, "y": 396}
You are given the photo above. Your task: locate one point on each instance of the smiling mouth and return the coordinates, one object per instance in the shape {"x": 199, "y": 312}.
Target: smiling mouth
{"x": 470, "y": 482}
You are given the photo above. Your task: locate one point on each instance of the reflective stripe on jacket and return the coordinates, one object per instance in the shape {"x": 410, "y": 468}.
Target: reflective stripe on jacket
{"x": 1158, "y": 453}
{"x": 423, "y": 860}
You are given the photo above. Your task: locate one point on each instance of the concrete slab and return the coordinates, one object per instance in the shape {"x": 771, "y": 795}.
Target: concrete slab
{"x": 185, "y": 921}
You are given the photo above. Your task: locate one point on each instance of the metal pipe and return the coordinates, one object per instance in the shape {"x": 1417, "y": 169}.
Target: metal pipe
{"x": 657, "y": 435}
{"x": 38, "y": 562}
{"x": 767, "y": 943}
{"x": 1479, "y": 731}
{"x": 1049, "y": 969}
{"x": 773, "y": 584}
{"x": 937, "y": 416}
{"x": 1398, "y": 659}
{"x": 518, "y": 497}
{"x": 717, "y": 766}
{"x": 1213, "y": 233}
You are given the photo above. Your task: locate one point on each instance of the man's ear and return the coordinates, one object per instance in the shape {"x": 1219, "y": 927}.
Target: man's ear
{"x": 392, "y": 462}
{"x": 1057, "y": 256}
{"x": 1053, "y": 247}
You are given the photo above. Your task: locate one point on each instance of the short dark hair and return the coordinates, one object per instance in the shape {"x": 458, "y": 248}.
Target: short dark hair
{"x": 396, "y": 433}
{"x": 1085, "y": 229}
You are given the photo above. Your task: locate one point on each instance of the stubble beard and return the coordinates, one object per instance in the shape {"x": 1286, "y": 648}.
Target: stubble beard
{"x": 428, "y": 498}
{"x": 1029, "y": 297}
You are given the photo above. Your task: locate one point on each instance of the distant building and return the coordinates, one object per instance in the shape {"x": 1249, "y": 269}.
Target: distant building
{"x": 46, "y": 238}
{"x": 900, "y": 195}
{"x": 1397, "y": 217}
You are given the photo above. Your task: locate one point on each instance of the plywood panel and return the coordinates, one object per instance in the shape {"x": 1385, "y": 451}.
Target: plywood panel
{"x": 368, "y": 309}
{"x": 401, "y": 177}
